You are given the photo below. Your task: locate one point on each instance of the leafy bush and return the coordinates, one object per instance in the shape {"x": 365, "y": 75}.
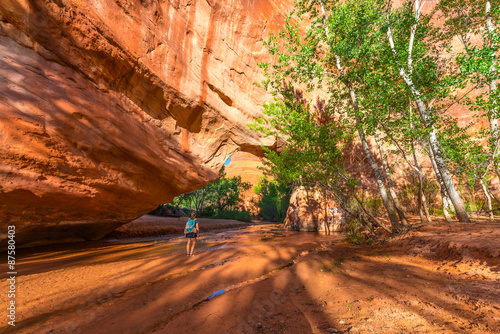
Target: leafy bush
{"x": 374, "y": 205}
{"x": 353, "y": 232}
{"x": 409, "y": 194}
{"x": 475, "y": 205}
{"x": 243, "y": 215}
{"x": 274, "y": 200}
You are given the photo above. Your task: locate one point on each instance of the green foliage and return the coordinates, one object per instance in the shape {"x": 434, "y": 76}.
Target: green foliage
{"x": 342, "y": 48}
{"x": 218, "y": 196}
{"x": 475, "y": 70}
{"x": 473, "y": 205}
{"x": 243, "y": 215}
{"x": 464, "y": 151}
{"x": 317, "y": 134}
{"x": 354, "y": 231}
{"x": 374, "y": 205}
{"x": 274, "y": 199}
{"x": 409, "y": 194}
{"x": 314, "y": 148}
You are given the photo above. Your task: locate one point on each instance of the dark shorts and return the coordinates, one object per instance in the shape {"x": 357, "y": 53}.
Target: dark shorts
{"x": 191, "y": 235}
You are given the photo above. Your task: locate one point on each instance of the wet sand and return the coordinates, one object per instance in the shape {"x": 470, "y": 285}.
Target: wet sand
{"x": 439, "y": 278}
{"x": 156, "y": 227}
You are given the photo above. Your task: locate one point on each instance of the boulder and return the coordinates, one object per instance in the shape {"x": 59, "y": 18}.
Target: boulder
{"x": 314, "y": 211}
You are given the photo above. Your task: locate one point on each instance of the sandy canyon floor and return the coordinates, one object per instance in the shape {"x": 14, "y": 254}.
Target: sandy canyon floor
{"x": 261, "y": 278}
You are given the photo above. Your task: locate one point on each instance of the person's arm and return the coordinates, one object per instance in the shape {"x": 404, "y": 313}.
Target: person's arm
{"x": 197, "y": 227}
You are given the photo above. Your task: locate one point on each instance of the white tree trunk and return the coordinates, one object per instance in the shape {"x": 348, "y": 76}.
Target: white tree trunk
{"x": 390, "y": 183}
{"x": 423, "y": 200}
{"x": 378, "y": 178}
{"x": 493, "y": 83}
{"x": 433, "y": 141}
{"x": 488, "y": 199}
{"x": 493, "y": 114}
{"x": 444, "y": 195}
{"x": 446, "y": 206}
{"x": 396, "y": 227}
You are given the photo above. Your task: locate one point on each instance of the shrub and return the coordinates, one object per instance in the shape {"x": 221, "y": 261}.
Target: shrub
{"x": 243, "y": 215}
{"x": 408, "y": 195}
{"x": 353, "y": 232}
{"x": 274, "y": 200}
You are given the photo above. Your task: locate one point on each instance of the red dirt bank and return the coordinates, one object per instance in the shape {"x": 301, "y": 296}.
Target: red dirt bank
{"x": 439, "y": 278}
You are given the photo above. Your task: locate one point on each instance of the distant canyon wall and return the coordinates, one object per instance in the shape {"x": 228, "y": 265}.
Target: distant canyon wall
{"x": 248, "y": 167}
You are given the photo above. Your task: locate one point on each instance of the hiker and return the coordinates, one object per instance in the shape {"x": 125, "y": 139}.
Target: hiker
{"x": 191, "y": 232}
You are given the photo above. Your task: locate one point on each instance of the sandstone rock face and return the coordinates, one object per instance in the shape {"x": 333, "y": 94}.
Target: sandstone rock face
{"x": 108, "y": 108}
{"x": 312, "y": 210}
{"x": 247, "y": 166}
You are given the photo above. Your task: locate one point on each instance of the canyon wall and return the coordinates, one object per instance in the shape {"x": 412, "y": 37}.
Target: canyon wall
{"x": 247, "y": 166}
{"x": 108, "y": 108}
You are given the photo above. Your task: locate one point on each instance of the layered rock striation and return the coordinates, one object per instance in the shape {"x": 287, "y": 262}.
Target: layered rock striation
{"x": 108, "y": 108}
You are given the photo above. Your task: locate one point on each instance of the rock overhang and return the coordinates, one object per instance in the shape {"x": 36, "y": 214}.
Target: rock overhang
{"x": 110, "y": 108}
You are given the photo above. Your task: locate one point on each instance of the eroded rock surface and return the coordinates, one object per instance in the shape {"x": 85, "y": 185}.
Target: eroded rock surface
{"x": 108, "y": 108}
{"x": 312, "y": 210}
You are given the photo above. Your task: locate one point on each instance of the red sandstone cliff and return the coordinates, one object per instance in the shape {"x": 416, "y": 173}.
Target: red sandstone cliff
{"x": 247, "y": 166}
{"x": 108, "y": 108}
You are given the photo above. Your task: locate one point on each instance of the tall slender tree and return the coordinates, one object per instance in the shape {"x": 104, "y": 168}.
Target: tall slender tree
{"x": 403, "y": 60}
{"x": 334, "y": 55}
{"x": 475, "y": 24}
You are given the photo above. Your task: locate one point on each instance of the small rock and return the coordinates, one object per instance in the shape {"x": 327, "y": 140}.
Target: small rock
{"x": 332, "y": 330}
{"x": 341, "y": 322}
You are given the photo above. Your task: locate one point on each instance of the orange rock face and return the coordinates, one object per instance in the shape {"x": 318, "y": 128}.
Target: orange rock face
{"x": 312, "y": 210}
{"x": 247, "y": 166}
{"x": 108, "y": 108}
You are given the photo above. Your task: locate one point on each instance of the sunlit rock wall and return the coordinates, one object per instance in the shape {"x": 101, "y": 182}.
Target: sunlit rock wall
{"x": 247, "y": 166}
{"x": 108, "y": 108}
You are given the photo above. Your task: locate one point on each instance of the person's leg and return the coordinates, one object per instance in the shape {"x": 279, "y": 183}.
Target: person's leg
{"x": 192, "y": 247}
{"x": 187, "y": 245}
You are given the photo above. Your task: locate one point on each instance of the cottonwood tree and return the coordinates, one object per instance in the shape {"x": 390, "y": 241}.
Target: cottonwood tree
{"x": 313, "y": 155}
{"x": 334, "y": 55}
{"x": 406, "y": 30}
{"x": 372, "y": 58}
{"x": 474, "y": 23}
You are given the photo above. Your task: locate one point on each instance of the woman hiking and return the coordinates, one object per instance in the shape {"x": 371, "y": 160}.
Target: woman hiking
{"x": 191, "y": 232}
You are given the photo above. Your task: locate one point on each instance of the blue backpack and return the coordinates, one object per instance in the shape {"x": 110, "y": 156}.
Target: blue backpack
{"x": 191, "y": 226}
